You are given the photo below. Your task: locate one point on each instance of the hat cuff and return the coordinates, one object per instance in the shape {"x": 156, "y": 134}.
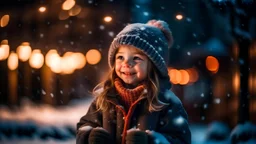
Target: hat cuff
{"x": 143, "y": 45}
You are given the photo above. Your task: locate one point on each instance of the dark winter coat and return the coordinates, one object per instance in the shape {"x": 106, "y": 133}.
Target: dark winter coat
{"x": 171, "y": 122}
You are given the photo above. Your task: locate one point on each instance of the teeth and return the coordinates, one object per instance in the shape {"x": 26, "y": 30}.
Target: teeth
{"x": 128, "y": 73}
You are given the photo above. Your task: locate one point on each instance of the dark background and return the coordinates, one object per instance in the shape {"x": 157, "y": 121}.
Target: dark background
{"x": 224, "y": 29}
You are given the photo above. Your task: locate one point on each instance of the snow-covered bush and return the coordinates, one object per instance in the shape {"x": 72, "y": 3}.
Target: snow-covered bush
{"x": 217, "y": 131}
{"x": 244, "y": 133}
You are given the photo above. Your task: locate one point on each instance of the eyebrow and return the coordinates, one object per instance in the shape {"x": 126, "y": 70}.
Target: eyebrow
{"x": 137, "y": 52}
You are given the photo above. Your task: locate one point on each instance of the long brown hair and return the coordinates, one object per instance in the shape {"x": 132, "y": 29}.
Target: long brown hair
{"x": 152, "y": 83}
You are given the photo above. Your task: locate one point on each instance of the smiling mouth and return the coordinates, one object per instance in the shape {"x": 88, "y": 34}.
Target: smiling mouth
{"x": 127, "y": 73}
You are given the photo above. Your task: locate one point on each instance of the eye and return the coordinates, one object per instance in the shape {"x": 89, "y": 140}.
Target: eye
{"x": 119, "y": 57}
{"x": 137, "y": 58}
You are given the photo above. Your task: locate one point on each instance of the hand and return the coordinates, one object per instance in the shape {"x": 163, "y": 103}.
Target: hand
{"x": 99, "y": 136}
{"x": 135, "y": 136}
{"x": 157, "y": 138}
{"x": 83, "y": 134}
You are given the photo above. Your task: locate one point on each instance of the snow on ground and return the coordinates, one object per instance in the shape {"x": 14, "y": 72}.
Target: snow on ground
{"x": 37, "y": 141}
{"x": 44, "y": 124}
{"x": 36, "y": 124}
{"x": 46, "y": 114}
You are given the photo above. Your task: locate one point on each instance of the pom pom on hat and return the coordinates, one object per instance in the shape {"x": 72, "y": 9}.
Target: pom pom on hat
{"x": 164, "y": 27}
{"x": 154, "y": 38}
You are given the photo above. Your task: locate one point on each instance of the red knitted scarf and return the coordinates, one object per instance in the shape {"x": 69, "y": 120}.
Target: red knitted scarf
{"x": 128, "y": 96}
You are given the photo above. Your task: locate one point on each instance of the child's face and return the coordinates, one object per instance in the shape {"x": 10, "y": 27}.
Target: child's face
{"x": 131, "y": 65}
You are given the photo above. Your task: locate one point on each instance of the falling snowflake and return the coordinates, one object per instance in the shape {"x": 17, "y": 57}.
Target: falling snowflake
{"x": 188, "y": 53}
{"x": 202, "y": 94}
{"x": 66, "y": 26}
{"x": 188, "y": 19}
{"x": 90, "y": 1}
{"x": 145, "y": 13}
{"x": 41, "y": 35}
{"x": 89, "y": 32}
{"x": 72, "y": 43}
{"x": 203, "y": 118}
{"x": 162, "y": 7}
{"x": 43, "y": 92}
{"x": 61, "y": 92}
{"x": 179, "y": 120}
{"x": 52, "y": 95}
{"x": 205, "y": 106}
{"x": 102, "y": 27}
{"x": 145, "y": 91}
{"x": 137, "y": 6}
{"x": 217, "y": 100}
{"x": 111, "y": 33}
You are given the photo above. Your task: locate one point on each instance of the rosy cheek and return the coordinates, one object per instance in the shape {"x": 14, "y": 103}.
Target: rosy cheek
{"x": 117, "y": 67}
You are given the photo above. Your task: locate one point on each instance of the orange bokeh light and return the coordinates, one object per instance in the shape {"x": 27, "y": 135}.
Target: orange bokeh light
{"x": 68, "y": 4}
{"x": 13, "y": 61}
{"x": 108, "y": 19}
{"x": 212, "y": 64}
{"x": 24, "y": 51}
{"x": 184, "y": 77}
{"x": 42, "y": 9}
{"x": 175, "y": 76}
{"x": 93, "y": 56}
{"x": 179, "y": 17}
{"x": 4, "y": 20}
{"x": 36, "y": 59}
{"x": 193, "y": 75}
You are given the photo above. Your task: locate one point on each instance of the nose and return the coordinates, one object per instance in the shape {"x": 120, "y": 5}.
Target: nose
{"x": 128, "y": 63}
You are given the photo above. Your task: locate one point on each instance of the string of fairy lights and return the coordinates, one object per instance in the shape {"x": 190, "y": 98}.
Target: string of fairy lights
{"x": 72, "y": 61}
{"x": 65, "y": 64}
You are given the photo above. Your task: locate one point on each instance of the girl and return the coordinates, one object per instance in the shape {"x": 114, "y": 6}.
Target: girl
{"x": 135, "y": 104}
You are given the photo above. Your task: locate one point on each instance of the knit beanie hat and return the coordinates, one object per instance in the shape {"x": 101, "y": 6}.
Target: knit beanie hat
{"x": 153, "y": 38}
